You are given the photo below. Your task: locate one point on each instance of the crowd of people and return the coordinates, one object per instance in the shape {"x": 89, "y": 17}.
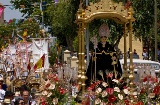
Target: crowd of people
{"x": 22, "y": 97}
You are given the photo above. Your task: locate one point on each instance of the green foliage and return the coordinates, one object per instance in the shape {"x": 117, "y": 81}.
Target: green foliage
{"x": 6, "y": 33}
{"x": 31, "y": 26}
{"x": 53, "y": 55}
{"x": 6, "y": 30}
{"x": 62, "y": 17}
{"x": 75, "y": 43}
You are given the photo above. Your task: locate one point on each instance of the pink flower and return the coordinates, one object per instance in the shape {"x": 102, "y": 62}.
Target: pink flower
{"x": 110, "y": 75}
{"x": 110, "y": 91}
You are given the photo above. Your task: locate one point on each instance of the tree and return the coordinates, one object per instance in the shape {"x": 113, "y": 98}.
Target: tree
{"x": 62, "y": 18}
{"x": 9, "y": 31}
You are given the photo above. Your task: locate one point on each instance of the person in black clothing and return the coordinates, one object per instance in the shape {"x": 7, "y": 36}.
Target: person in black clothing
{"x": 106, "y": 60}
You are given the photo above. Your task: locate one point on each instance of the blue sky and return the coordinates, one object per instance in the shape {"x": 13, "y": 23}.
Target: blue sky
{"x": 10, "y": 14}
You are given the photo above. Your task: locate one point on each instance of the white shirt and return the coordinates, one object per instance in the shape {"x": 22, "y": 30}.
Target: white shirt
{"x": 33, "y": 102}
{"x": 2, "y": 94}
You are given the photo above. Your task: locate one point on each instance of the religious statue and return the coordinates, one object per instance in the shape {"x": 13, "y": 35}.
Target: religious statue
{"x": 104, "y": 61}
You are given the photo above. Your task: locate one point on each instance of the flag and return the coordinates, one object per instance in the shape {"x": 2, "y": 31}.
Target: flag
{"x": 1, "y": 11}
{"x": 29, "y": 66}
{"x": 40, "y": 63}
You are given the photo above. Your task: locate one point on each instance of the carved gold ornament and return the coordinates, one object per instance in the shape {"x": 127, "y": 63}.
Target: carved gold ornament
{"x": 106, "y": 5}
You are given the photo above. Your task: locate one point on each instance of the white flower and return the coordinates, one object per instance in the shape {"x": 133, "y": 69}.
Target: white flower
{"x": 97, "y": 101}
{"x": 104, "y": 93}
{"x": 52, "y": 86}
{"x": 115, "y": 80}
{"x": 126, "y": 91}
{"x": 104, "y": 84}
{"x": 120, "y": 96}
{"x": 49, "y": 94}
{"x": 47, "y": 82}
{"x": 151, "y": 95}
{"x": 134, "y": 93}
{"x": 55, "y": 101}
{"x": 102, "y": 103}
{"x": 116, "y": 89}
{"x": 44, "y": 92}
{"x": 145, "y": 83}
{"x": 98, "y": 90}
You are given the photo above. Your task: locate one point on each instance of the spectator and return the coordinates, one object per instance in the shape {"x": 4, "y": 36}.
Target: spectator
{"x": 25, "y": 96}
{"x": 4, "y": 86}
{"x": 120, "y": 55}
{"x": 128, "y": 53}
{"x": 8, "y": 96}
{"x": 2, "y": 94}
{"x": 19, "y": 101}
{"x": 33, "y": 99}
{"x": 145, "y": 54}
{"x": 134, "y": 51}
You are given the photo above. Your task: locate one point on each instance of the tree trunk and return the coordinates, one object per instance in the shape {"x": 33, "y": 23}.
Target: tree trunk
{"x": 117, "y": 42}
{"x": 69, "y": 43}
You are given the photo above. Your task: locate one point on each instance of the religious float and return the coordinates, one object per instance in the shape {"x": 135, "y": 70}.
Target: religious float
{"x": 26, "y": 63}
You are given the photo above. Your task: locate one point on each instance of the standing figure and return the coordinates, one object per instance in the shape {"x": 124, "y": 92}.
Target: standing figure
{"x": 145, "y": 54}
{"x": 104, "y": 60}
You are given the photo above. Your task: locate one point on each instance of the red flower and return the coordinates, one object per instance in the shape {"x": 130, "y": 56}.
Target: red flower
{"x": 55, "y": 78}
{"x": 110, "y": 91}
{"x": 44, "y": 103}
{"x": 92, "y": 86}
{"x": 124, "y": 87}
{"x": 139, "y": 103}
{"x": 111, "y": 98}
{"x": 156, "y": 90}
{"x": 47, "y": 86}
{"x": 62, "y": 91}
{"x": 97, "y": 83}
{"x": 126, "y": 102}
{"x": 142, "y": 91}
{"x": 145, "y": 79}
{"x": 89, "y": 88}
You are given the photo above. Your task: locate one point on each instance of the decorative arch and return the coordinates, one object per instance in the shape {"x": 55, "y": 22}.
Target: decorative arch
{"x": 100, "y": 10}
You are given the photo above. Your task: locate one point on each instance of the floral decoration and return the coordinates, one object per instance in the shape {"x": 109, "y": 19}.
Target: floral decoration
{"x": 146, "y": 92}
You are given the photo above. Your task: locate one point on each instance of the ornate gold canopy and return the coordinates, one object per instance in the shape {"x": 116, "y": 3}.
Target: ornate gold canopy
{"x": 100, "y": 10}
{"x": 105, "y": 9}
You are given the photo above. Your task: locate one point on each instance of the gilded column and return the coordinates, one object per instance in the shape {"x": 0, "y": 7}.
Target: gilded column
{"x": 131, "y": 68}
{"x": 81, "y": 54}
{"x": 83, "y": 71}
